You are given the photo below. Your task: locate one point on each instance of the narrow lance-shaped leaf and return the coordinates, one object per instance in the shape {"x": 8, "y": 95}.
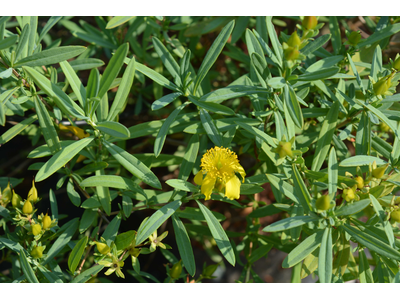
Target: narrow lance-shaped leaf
{"x": 382, "y": 217}
{"x": 293, "y": 106}
{"x": 325, "y": 257}
{"x": 332, "y": 173}
{"x": 189, "y": 158}
{"x": 301, "y": 190}
{"x": 76, "y": 254}
{"x": 213, "y": 53}
{"x": 75, "y": 82}
{"x": 218, "y": 234}
{"x": 210, "y": 128}
{"x": 26, "y": 268}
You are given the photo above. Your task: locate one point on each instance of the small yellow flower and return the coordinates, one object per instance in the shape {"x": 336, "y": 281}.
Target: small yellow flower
{"x": 114, "y": 266}
{"x": 37, "y": 251}
{"x": 79, "y": 132}
{"x": 219, "y": 165}
{"x": 156, "y": 240}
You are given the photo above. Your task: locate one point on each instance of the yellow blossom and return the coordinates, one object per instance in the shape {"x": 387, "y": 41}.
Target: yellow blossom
{"x": 79, "y": 132}
{"x": 219, "y": 166}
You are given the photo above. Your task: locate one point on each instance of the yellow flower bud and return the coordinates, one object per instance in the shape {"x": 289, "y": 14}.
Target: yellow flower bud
{"x": 176, "y": 270}
{"x": 360, "y": 182}
{"x": 395, "y": 216}
{"x": 309, "y": 22}
{"x": 33, "y": 194}
{"x": 379, "y": 172}
{"x": 36, "y": 229}
{"x": 348, "y": 194}
{"x": 37, "y": 252}
{"x": 384, "y": 127}
{"x": 284, "y": 148}
{"x": 396, "y": 64}
{"x": 16, "y": 200}
{"x": 294, "y": 40}
{"x": 46, "y": 221}
{"x": 7, "y": 194}
{"x": 102, "y": 248}
{"x": 323, "y": 203}
{"x": 291, "y": 53}
{"x": 382, "y": 85}
{"x": 27, "y": 208}
{"x": 354, "y": 38}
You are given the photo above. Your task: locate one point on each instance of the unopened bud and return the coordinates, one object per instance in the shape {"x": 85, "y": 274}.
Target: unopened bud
{"x": 102, "y": 248}
{"x": 46, "y": 222}
{"x": 27, "y": 208}
{"x": 294, "y": 40}
{"x": 309, "y": 22}
{"x": 382, "y": 85}
{"x": 360, "y": 182}
{"x": 395, "y": 216}
{"x": 291, "y": 53}
{"x": 354, "y": 38}
{"x": 396, "y": 64}
{"x": 348, "y": 194}
{"x": 176, "y": 270}
{"x": 7, "y": 194}
{"x": 36, "y": 229}
{"x": 33, "y": 194}
{"x": 16, "y": 200}
{"x": 37, "y": 252}
{"x": 284, "y": 148}
{"x": 379, "y": 172}
{"x": 323, "y": 203}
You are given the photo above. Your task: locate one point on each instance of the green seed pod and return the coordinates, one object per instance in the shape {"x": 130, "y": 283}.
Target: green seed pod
{"x": 36, "y": 229}
{"x": 37, "y": 252}
{"x": 27, "y": 208}
{"x": 16, "y": 200}
{"x": 395, "y": 216}
{"x": 309, "y": 22}
{"x": 379, "y": 172}
{"x": 360, "y": 182}
{"x": 323, "y": 203}
{"x": 33, "y": 194}
{"x": 294, "y": 40}
{"x": 46, "y": 221}
{"x": 102, "y": 248}
{"x": 396, "y": 64}
{"x": 176, "y": 270}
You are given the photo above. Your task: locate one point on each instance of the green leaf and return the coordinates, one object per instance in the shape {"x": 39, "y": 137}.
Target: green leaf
{"x": 117, "y": 21}
{"x": 358, "y": 78}
{"x": 276, "y": 45}
{"x": 112, "y": 181}
{"x": 14, "y": 246}
{"x": 290, "y": 223}
{"x": 303, "y": 250}
{"x": 293, "y": 106}
{"x": 316, "y": 44}
{"x": 124, "y": 240}
{"x": 365, "y": 271}
{"x": 382, "y": 217}
{"x": 352, "y": 208}
{"x": 50, "y": 23}
{"x": 336, "y": 36}
{"x": 382, "y": 117}
{"x": 61, "y": 99}
{"x": 380, "y": 35}
{"x": 213, "y": 54}
{"x": 50, "y": 276}
{"x": 332, "y": 173}
{"x": 184, "y": 245}
{"x": 76, "y": 254}
{"x": 182, "y": 185}
{"x": 127, "y": 206}
{"x": 112, "y": 69}
{"x": 283, "y": 187}
{"x": 361, "y": 160}
{"x": 169, "y": 62}
{"x": 260, "y": 252}
{"x": 318, "y": 75}
{"x": 61, "y": 158}
{"x": 22, "y": 47}
{"x": 210, "y": 128}
{"x": 26, "y": 268}
{"x": 162, "y": 134}
{"x": 50, "y": 56}
{"x": 189, "y": 158}
{"x": 232, "y": 91}
{"x": 133, "y": 165}
{"x": 165, "y": 100}
{"x": 47, "y": 127}
{"x": 16, "y": 129}
{"x": 218, "y": 234}
{"x": 114, "y": 129}
{"x": 363, "y": 136}
{"x": 62, "y": 240}
{"x": 88, "y": 274}
{"x": 325, "y": 257}
{"x": 301, "y": 190}
{"x": 112, "y": 229}
{"x": 372, "y": 242}
{"x": 193, "y": 213}
{"x": 75, "y": 82}
{"x": 72, "y": 194}
{"x": 8, "y": 42}
{"x": 93, "y": 84}
{"x": 103, "y": 193}
{"x": 257, "y": 133}
{"x": 156, "y": 220}
{"x": 325, "y": 137}
{"x": 211, "y": 106}
{"x": 123, "y": 91}
{"x": 86, "y": 64}
{"x": 87, "y": 219}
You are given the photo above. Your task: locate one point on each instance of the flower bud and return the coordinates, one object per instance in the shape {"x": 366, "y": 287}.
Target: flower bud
{"x": 46, "y": 221}
{"x": 33, "y": 194}
{"x": 209, "y": 271}
{"x": 7, "y": 194}
{"x": 36, "y": 229}
{"x": 309, "y": 22}
{"x": 396, "y": 64}
{"x": 37, "y": 252}
{"x": 348, "y": 194}
{"x": 176, "y": 270}
{"x": 294, "y": 40}
{"x": 382, "y": 85}
{"x": 27, "y": 208}
{"x": 379, "y": 172}
{"x": 323, "y": 203}
{"x": 102, "y": 248}
{"x": 395, "y": 215}
{"x": 360, "y": 182}
{"x": 354, "y": 38}
{"x": 16, "y": 200}
{"x": 284, "y": 148}
{"x": 384, "y": 127}
{"x": 291, "y": 53}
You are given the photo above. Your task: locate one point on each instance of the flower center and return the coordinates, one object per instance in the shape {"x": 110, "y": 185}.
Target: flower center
{"x": 219, "y": 163}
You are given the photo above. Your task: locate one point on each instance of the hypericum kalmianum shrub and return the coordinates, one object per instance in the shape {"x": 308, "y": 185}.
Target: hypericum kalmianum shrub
{"x": 303, "y": 106}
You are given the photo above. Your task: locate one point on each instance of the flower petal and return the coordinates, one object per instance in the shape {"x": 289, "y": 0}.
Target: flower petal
{"x": 232, "y": 188}
{"x": 208, "y": 186}
{"x": 240, "y": 170}
{"x": 198, "y": 179}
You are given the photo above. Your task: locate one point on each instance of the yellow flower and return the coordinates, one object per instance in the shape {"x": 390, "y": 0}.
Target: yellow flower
{"x": 219, "y": 165}
{"x": 79, "y": 132}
